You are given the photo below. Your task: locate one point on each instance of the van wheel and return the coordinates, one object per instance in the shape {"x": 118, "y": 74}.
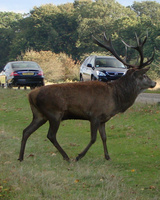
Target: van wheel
{"x": 93, "y": 78}
{"x": 81, "y": 78}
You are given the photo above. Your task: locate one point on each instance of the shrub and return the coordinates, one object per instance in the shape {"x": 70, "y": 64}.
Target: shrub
{"x": 56, "y": 67}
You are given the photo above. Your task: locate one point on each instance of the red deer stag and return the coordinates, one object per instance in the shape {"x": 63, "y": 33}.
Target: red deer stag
{"x": 94, "y": 101}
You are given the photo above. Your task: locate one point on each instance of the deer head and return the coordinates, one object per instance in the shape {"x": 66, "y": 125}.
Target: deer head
{"x": 107, "y": 44}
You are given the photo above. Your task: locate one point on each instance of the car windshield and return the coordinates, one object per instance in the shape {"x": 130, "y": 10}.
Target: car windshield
{"x": 108, "y": 62}
{"x": 24, "y": 65}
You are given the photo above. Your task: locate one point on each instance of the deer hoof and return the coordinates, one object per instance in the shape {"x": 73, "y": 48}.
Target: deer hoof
{"x": 20, "y": 159}
{"x": 78, "y": 158}
{"x": 107, "y": 157}
{"x": 67, "y": 159}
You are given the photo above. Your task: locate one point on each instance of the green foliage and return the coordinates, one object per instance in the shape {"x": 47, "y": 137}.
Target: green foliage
{"x": 147, "y": 8}
{"x": 69, "y": 27}
{"x": 56, "y": 67}
{"x": 8, "y": 25}
{"x": 155, "y": 72}
{"x": 133, "y": 142}
{"x": 9, "y": 19}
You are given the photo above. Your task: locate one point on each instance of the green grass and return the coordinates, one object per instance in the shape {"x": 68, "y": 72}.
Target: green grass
{"x": 133, "y": 143}
{"x": 153, "y": 91}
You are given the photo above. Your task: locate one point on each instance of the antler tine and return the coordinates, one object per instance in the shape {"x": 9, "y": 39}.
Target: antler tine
{"x": 144, "y": 41}
{"x": 97, "y": 42}
{"x": 127, "y": 45}
{"x": 137, "y": 38}
{"x": 139, "y": 42}
{"x": 139, "y": 48}
{"x": 148, "y": 62}
{"x": 108, "y": 45}
{"x": 107, "y": 42}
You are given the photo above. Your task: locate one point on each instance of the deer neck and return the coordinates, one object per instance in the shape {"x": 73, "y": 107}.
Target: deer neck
{"x": 125, "y": 93}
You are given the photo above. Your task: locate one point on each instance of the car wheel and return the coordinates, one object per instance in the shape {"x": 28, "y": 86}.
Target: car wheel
{"x": 32, "y": 87}
{"x": 42, "y": 84}
{"x": 9, "y": 86}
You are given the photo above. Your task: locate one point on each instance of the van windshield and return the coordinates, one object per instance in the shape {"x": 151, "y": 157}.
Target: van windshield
{"x": 109, "y": 62}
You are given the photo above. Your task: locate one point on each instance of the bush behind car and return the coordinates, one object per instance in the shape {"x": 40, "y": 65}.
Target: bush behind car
{"x": 56, "y": 67}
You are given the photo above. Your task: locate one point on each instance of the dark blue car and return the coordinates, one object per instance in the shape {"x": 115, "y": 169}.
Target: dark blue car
{"x": 23, "y": 73}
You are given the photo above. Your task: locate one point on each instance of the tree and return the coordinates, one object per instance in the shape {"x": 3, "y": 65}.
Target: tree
{"x": 48, "y": 27}
{"x": 69, "y": 28}
{"x": 102, "y": 16}
{"x": 8, "y": 21}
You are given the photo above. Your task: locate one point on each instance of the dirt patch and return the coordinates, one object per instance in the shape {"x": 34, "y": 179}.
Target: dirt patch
{"x": 148, "y": 98}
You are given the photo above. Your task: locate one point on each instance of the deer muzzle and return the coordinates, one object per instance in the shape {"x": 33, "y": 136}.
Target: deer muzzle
{"x": 153, "y": 84}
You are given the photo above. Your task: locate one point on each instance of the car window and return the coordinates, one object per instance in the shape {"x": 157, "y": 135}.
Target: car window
{"x": 6, "y": 67}
{"x": 109, "y": 62}
{"x": 24, "y": 65}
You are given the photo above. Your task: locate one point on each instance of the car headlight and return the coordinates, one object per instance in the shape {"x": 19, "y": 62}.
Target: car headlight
{"x": 100, "y": 73}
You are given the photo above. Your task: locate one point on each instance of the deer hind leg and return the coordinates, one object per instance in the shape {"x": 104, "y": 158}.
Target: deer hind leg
{"x": 104, "y": 139}
{"x": 34, "y": 125}
{"x": 54, "y": 125}
{"x": 94, "y": 128}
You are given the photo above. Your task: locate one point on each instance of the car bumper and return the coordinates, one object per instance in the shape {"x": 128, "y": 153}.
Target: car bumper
{"x": 27, "y": 81}
{"x": 105, "y": 79}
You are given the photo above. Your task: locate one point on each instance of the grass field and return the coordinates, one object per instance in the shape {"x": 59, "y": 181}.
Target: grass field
{"x": 133, "y": 143}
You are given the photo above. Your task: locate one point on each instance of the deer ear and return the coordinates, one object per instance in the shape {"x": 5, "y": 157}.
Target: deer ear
{"x": 141, "y": 71}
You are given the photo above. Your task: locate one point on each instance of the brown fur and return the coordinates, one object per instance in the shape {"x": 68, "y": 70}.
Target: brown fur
{"x": 94, "y": 101}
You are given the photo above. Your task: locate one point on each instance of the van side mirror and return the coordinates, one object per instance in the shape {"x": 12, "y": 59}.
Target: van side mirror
{"x": 89, "y": 65}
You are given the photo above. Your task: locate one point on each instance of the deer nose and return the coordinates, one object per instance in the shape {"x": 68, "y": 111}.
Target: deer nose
{"x": 153, "y": 84}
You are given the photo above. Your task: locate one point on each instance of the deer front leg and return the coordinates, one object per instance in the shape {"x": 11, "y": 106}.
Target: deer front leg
{"x": 104, "y": 139}
{"x": 94, "y": 128}
{"x": 34, "y": 125}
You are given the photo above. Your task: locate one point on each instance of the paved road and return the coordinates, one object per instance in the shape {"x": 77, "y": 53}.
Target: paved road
{"x": 148, "y": 98}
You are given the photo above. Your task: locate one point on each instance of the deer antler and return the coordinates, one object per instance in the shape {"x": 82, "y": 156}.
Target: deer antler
{"x": 108, "y": 45}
